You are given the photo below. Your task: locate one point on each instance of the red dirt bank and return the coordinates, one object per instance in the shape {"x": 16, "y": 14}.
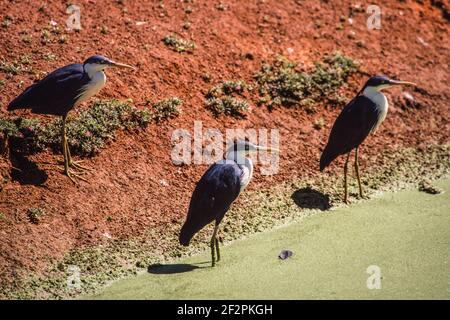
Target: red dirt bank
{"x": 128, "y": 184}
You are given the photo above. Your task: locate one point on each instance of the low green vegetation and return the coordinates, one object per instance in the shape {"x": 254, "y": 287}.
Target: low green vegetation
{"x": 319, "y": 123}
{"x": 166, "y": 109}
{"x": 35, "y": 214}
{"x": 9, "y": 68}
{"x": 178, "y": 44}
{"x": 89, "y": 130}
{"x": 22, "y": 65}
{"x": 282, "y": 84}
{"x": 226, "y": 98}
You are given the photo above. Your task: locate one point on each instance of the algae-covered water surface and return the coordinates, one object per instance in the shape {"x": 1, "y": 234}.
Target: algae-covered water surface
{"x": 396, "y": 246}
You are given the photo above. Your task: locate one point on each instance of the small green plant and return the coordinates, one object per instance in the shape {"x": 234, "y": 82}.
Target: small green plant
{"x": 206, "y": 77}
{"x": 319, "y": 123}
{"x": 221, "y": 99}
{"x": 35, "y": 215}
{"x": 49, "y": 56}
{"x": 104, "y": 29}
{"x": 23, "y": 65}
{"x": 179, "y": 45}
{"x": 8, "y": 128}
{"x": 2, "y": 216}
{"x": 45, "y": 36}
{"x": 221, "y": 6}
{"x": 281, "y": 84}
{"x": 26, "y": 39}
{"x": 9, "y": 68}
{"x": 6, "y": 22}
{"x": 166, "y": 109}
{"x": 228, "y": 106}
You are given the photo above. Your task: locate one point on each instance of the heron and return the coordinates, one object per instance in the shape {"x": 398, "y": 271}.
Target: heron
{"x": 217, "y": 189}
{"x": 360, "y": 117}
{"x": 61, "y": 91}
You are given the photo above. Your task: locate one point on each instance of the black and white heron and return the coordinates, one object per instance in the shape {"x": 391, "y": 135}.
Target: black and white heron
{"x": 217, "y": 189}
{"x": 61, "y": 91}
{"x": 360, "y": 117}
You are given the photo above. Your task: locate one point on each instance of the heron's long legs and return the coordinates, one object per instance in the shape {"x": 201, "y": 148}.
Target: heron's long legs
{"x": 66, "y": 154}
{"x": 345, "y": 179}
{"x": 64, "y": 143}
{"x": 213, "y": 243}
{"x": 357, "y": 173}
{"x": 217, "y": 249}
{"x": 73, "y": 163}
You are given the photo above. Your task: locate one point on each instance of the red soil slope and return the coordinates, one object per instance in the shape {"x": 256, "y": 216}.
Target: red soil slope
{"x": 128, "y": 184}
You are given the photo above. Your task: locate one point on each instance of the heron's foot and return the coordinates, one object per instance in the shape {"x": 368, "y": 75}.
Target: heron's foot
{"x": 77, "y": 165}
{"x": 347, "y": 202}
{"x": 75, "y": 175}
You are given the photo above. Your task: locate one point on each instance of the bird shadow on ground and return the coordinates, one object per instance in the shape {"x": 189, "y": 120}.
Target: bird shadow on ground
{"x": 23, "y": 169}
{"x": 173, "y": 268}
{"x": 308, "y": 198}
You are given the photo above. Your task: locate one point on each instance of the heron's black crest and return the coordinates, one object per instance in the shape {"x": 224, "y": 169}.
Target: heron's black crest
{"x": 376, "y": 81}
{"x": 242, "y": 145}
{"x": 97, "y": 59}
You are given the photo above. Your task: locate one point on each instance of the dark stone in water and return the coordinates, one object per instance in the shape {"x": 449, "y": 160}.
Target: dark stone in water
{"x": 284, "y": 254}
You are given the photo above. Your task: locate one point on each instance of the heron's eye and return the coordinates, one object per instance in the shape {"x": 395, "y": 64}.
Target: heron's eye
{"x": 247, "y": 147}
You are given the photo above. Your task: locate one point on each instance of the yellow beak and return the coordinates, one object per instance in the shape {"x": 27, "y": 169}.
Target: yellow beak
{"x": 121, "y": 65}
{"x": 268, "y": 149}
{"x": 407, "y": 83}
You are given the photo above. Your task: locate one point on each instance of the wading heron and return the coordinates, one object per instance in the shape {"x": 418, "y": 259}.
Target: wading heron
{"x": 61, "y": 91}
{"x": 217, "y": 189}
{"x": 360, "y": 117}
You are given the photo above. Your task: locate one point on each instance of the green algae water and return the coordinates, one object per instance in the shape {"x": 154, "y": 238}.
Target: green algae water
{"x": 396, "y": 246}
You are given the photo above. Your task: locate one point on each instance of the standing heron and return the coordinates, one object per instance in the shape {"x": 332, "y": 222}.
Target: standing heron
{"x": 360, "y": 117}
{"x": 61, "y": 91}
{"x": 216, "y": 191}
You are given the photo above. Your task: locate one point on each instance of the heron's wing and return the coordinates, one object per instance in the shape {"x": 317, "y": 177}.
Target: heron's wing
{"x": 351, "y": 127}
{"x": 54, "y": 94}
{"x": 213, "y": 195}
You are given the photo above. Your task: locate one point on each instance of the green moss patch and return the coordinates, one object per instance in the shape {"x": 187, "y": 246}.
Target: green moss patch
{"x": 282, "y": 84}
{"x": 227, "y": 98}
{"x": 178, "y": 44}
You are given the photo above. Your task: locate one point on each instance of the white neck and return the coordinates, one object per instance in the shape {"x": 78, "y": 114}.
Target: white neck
{"x": 377, "y": 97}
{"x": 375, "y": 94}
{"x": 246, "y": 164}
{"x": 93, "y": 68}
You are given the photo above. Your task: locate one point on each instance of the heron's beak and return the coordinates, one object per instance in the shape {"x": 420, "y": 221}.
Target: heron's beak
{"x": 268, "y": 149}
{"x": 121, "y": 65}
{"x": 397, "y": 82}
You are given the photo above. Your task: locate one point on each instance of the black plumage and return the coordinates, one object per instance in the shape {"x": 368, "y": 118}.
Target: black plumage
{"x": 215, "y": 192}
{"x": 55, "y": 94}
{"x": 350, "y": 129}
